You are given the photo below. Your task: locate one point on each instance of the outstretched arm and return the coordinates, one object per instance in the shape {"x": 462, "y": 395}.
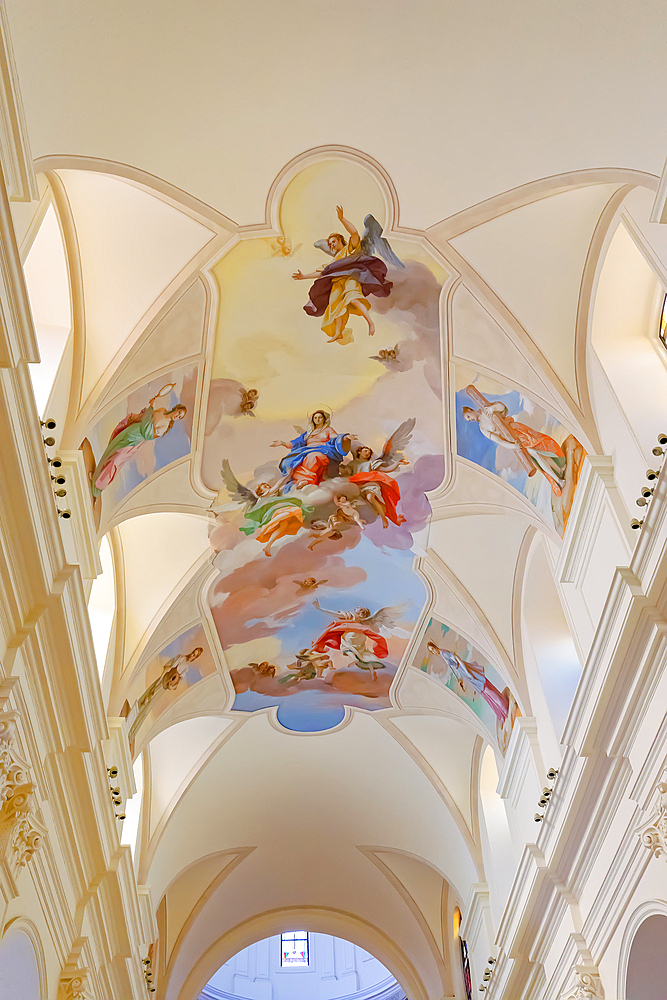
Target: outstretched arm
{"x": 316, "y": 604}
{"x": 352, "y": 230}
{"x": 300, "y": 276}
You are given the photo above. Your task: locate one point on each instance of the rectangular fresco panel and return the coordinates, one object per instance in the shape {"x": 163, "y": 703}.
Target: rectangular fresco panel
{"x": 510, "y": 435}
{"x": 147, "y": 431}
{"x": 454, "y": 662}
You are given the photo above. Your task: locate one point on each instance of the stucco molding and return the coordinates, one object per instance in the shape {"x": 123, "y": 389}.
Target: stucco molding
{"x": 21, "y": 834}
{"x": 586, "y": 985}
{"x": 654, "y": 833}
{"x": 15, "y": 154}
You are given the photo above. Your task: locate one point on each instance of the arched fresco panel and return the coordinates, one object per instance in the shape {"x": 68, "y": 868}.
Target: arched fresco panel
{"x": 139, "y": 435}
{"x": 453, "y": 661}
{"x": 163, "y": 678}
{"x": 324, "y": 432}
{"x": 511, "y": 435}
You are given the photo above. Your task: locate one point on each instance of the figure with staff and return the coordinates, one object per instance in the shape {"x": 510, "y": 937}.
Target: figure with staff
{"x": 536, "y": 452}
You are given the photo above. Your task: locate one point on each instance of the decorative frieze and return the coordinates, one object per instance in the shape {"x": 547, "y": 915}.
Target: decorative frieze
{"x": 654, "y": 834}
{"x": 586, "y": 986}
{"x": 20, "y": 834}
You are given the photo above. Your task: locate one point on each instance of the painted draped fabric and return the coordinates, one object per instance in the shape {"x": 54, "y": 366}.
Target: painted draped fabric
{"x": 126, "y": 438}
{"x": 311, "y": 452}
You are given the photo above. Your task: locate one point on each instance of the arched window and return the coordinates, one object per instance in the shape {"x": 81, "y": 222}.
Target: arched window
{"x": 294, "y": 948}
{"x": 647, "y": 966}
{"x": 19, "y": 966}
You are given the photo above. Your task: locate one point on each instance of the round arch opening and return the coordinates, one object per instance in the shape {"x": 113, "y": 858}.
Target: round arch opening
{"x": 302, "y": 965}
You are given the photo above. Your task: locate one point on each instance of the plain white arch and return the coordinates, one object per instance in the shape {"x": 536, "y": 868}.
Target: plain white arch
{"x": 650, "y": 908}
{"x": 21, "y": 962}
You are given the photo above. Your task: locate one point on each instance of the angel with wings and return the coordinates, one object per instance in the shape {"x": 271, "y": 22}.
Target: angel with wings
{"x": 352, "y": 631}
{"x": 358, "y": 269}
{"x": 372, "y": 477}
{"x": 387, "y": 356}
{"x": 264, "y": 509}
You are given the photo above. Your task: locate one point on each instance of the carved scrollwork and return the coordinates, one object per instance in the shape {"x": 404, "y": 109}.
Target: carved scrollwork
{"x": 586, "y": 986}
{"x": 20, "y": 834}
{"x": 654, "y": 834}
{"x": 73, "y": 987}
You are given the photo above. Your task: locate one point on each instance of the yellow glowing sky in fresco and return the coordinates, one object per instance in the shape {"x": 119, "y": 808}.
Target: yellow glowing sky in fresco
{"x": 264, "y": 339}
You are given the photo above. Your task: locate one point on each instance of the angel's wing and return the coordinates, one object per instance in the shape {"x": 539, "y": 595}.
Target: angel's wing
{"x": 320, "y": 582}
{"x": 398, "y": 441}
{"x": 376, "y": 357}
{"x": 323, "y": 245}
{"x": 374, "y": 243}
{"x": 239, "y": 493}
{"x": 384, "y": 620}
{"x": 299, "y": 430}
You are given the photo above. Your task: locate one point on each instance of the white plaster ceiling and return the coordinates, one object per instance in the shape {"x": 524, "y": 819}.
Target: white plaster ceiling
{"x": 457, "y": 101}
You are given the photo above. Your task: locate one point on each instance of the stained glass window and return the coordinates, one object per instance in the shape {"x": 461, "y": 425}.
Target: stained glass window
{"x": 294, "y": 948}
{"x": 663, "y": 323}
{"x": 465, "y": 962}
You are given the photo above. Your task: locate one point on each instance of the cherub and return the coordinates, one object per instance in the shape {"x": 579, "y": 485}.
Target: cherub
{"x": 309, "y": 584}
{"x": 370, "y": 474}
{"x": 346, "y": 512}
{"x": 387, "y": 355}
{"x": 249, "y": 399}
{"x": 351, "y": 631}
{"x": 265, "y": 669}
{"x": 283, "y": 248}
{"x": 309, "y": 664}
{"x": 264, "y": 508}
{"x": 341, "y": 288}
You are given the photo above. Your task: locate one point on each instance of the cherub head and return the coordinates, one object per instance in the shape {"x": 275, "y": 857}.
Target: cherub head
{"x": 341, "y": 500}
{"x": 362, "y": 614}
{"x": 252, "y": 393}
{"x": 470, "y": 414}
{"x": 363, "y": 453}
{"x": 310, "y": 581}
{"x": 432, "y": 648}
{"x": 194, "y": 655}
{"x": 336, "y": 242}
{"x": 262, "y": 489}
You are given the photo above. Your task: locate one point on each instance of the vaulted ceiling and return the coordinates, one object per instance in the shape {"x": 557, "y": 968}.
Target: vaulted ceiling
{"x": 192, "y": 155}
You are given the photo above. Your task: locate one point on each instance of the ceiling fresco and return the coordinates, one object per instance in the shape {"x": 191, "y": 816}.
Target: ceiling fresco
{"x": 146, "y": 432}
{"x": 507, "y": 433}
{"x": 314, "y": 408}
{"x": 324, "y": 433}
{"x": 452, "y": 660}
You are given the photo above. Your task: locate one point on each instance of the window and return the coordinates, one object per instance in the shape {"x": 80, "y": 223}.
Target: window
{"x": 663, "y": 323}
{"x": 294, "y": 948}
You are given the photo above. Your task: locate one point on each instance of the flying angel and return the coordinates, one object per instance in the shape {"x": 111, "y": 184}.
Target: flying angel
{"x": 266, "y": 511}
{"x": 371, "y": 474}
{"x": 353, "y": 630}
{"x": 341, "y": 288}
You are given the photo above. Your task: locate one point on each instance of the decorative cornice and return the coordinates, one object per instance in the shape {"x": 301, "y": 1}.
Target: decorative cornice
{"x": 654, "y": 834}
{"x": 15, "y": 155}
{"x": 586, "y": 985}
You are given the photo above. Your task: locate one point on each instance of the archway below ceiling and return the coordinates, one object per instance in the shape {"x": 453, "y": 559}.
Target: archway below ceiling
{"x": 301, "y": 965}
